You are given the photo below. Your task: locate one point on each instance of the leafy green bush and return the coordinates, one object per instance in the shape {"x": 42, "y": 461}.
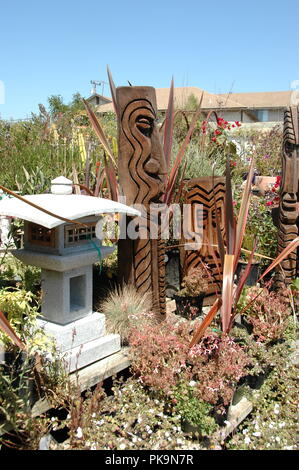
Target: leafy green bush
{"x": 192, "y": 410}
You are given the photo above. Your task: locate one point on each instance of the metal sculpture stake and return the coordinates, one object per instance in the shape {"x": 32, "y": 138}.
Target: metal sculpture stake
{"x": 141, "y": 169}
{"x": 201, "y": 191}
{"x": 288, "y": 217}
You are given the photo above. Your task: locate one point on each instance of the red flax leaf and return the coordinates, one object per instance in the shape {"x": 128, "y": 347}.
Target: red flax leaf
{"x": 241, "y": 283}
{"x": 220, "y": 240}
{"x": 243, "y": 214}
{"x": 168, "y": 127}
{"x": 227, "y": 291}
{"x": 229, "y": 212}
{"x": 7, "y": 328}
{"x": 174, "y": 171}
{"x": 99, "y": 182}
{"x": 177, "y": 113}
{"x": 113, "y": 90}
{"x": 287, "y": 250}
{"x": 206, "y": 322}
{"x": 245, "y": 275}
{"x": 98, "y": 130}
{"x": 85, "y": 188}
{"x": 111, "y": 179}
{"x": 181, "y": 186}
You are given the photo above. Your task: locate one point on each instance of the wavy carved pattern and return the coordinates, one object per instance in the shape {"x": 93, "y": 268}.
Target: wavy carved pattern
{"x": 200, "y": 191}
{"x": 141, "y": 174}
{"x": 288, "y": 219}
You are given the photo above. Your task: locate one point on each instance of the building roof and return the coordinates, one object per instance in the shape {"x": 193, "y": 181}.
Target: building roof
{"x": 256, "y": 100}
{"x": 104, "y": 98}
{"x": 265, "y": 99}
{"x": 181, "y": 95}
{"x": 72, "y": 207}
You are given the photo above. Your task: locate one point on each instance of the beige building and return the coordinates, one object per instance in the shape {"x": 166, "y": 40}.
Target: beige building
{"x": 262, "y": 107}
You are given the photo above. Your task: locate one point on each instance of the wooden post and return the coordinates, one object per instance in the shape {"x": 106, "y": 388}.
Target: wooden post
{"x": 142, "y": 169}
{"x": 202, "y": 191}
{"x": 288, "y": 217}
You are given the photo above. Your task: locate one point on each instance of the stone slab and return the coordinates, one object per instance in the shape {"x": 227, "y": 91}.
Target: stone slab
{"x": 95, "y": 373}
{"x": 89, "y": 376}
{"x": 90, "y": 352}
{"x": 75, "y": 333}
{"x": 62, "y": 263}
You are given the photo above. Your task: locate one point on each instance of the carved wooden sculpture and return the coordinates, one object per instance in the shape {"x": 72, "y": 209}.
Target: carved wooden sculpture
{"x": 288, "y": 228}
{"x": 141, "y": 169}
{"x": 200, "y": 191}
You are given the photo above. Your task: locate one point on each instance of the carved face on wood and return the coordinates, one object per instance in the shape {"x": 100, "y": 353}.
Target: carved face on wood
{"x": 201, "y": 191}
{"x": 141, "y": 152}
{"x": 290, "y": 163}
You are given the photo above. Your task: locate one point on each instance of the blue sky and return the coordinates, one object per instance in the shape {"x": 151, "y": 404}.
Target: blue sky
{"x": 57, "y": 47}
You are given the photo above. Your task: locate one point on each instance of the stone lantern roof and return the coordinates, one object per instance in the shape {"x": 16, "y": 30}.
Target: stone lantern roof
{"x": 62, "y": 203}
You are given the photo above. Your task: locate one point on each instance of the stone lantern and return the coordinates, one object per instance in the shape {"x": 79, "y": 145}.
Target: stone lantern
{"x": 65, "y": 252}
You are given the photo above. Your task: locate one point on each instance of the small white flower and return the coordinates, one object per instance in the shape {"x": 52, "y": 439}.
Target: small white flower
{"x": 247, "y": 440}
{"x": 179, "y": 441}
{"x": 134, "y": 439}
{"x": 122, "y": 446}
{"x": 192, "y": 383}
{"x": 99, "y": 423}
{"x": 167, "y": 434}
{"x": 281, "y": 425}
{"x": 79, "y": 433}
{"x": 245, "y": 431}
{"x": 93, "y": 415}
{"x": 277, "y": 438}
{"x": 151, "y": 410}
{"x": 276, "y": 409}
{"x": 257, "y": 434}
{"x": 139, "y": 419}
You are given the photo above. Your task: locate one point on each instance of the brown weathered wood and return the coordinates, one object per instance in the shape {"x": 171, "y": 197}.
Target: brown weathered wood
{"x": 141, "y": 169}
{"x": 288, "y": 220}
{"x": 201, "y": 191}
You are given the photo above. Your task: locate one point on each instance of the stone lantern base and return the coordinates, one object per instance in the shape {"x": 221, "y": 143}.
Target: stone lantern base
{"x": 83, "y": 341}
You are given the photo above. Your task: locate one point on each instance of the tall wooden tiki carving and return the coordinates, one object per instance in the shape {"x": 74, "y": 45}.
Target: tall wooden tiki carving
{"x": 288, "y": 217}
{"x": 142, "y": 169}
{"x": 201, "y": 191}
